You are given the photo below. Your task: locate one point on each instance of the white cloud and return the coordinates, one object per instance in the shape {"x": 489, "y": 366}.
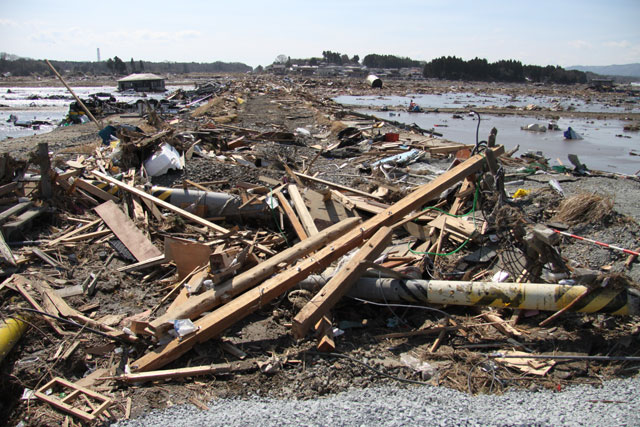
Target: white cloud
{"x": 9, "y": 23}
{"x": 579, "y": 44}
{"x": 620, "y": 44}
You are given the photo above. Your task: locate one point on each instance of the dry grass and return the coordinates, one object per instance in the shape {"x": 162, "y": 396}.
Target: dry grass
{"x": 584, "y": 208}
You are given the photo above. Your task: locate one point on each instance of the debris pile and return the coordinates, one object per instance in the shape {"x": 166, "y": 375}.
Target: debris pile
{"x": 210, "y": 243}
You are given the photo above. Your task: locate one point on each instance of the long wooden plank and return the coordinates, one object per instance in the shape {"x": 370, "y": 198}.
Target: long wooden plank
{"x": 303, "y": 213}
{"x": 19, "y": 285}
{"x": 217, "y": 321}
{"x": 175, "y": 209}
{"x": 340, "y": 283}
{"x": 5, "y": 251}
{"x": 297, "y": 226}
{"x": 338, "y": 186}
{"x": 192, "y": 371}
{"x": 144, "y": 264}
{"x": 130, "y": 235}
{"x": 198, "y": 304}
{"x": 92, "y": 189}
{"x": 74, "y": 232}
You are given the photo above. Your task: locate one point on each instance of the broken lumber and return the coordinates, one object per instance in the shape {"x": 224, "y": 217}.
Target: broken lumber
{"x": 175, "y": 209}
{"x": 74, "y": 232}
{"x": 141, "y": 377}
{"x": 125, "y": 230}
{"x": 303, "y": 212}
{"x": 66, "y": 403}
{"x": 338, "y": 186}
{"x": 295, "y": 222}
{"x": 198, "y": 304}
{"x": 340, "y": 283}
{"x": 217, "y": 321}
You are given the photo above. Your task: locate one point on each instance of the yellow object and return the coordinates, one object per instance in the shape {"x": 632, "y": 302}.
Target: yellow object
{"x": 239, "y": 100}
{"x": 11, "y": 330}
{"x": 113, "y": 144}
{"x": 521, "y": 193}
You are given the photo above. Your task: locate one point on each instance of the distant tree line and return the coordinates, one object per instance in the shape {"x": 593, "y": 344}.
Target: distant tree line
{"x": 389, "y": 61}
{"x": 113, "y": 66}
{"x": 452, "y": 68}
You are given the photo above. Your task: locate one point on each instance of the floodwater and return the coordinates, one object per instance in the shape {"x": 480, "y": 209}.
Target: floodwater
{"x": 630, "y": 104}
{"x": 606, "y": 146}
{"x": 51, "y": 104}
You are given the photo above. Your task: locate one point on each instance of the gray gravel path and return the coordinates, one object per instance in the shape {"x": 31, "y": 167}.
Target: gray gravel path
{"x": 615, "y": 404}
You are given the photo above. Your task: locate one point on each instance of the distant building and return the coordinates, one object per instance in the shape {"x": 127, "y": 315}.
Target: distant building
{"x": 142, "y": 83}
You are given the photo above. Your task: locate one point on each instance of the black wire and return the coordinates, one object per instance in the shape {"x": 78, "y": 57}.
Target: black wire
{"x": 344, "y": 356}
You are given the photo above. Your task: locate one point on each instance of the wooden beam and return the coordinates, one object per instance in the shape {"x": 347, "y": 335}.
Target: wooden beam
{"x": 198, "y": 304}
{"x": 5, "y": 252}
{"x": 8, "y": 188}
{"x": 84, "y": 107}
{"x": 19, "y": 285}
{"x": 217, "y": 321}
{"x": 340, "y": 283}
{"x": 151, "y": 262}
{"x": 130, "y": 235}
{"x": 338, "y": 186}
{"x": 303, "y": 212}
{"x": 74, "y": 232}
{"x": 87, "y": 236}
{"x": 299, "y": 229}
{"x": 192, "y": 371}
{"x": 174, "y": 209}
{"x": 92, "y": 189}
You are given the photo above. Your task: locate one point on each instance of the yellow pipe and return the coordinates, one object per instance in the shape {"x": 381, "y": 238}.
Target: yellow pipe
{"x": 11, "y": 330}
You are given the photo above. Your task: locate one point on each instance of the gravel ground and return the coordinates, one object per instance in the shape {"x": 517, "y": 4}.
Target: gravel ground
{"x": 614, "y": 404}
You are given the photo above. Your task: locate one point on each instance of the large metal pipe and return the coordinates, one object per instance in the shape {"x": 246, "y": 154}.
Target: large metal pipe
{"x": 374, "y": 81}
{"x": 528, "y": 296}
{"x": 11, "y": 329}
{"x": 218, "y": 204}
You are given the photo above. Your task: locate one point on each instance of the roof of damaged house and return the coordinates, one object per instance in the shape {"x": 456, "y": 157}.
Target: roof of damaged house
{"x": 140, "y": 77}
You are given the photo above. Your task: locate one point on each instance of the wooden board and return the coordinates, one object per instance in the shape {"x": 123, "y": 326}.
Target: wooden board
{"x": 92, "y": 189}
{"x": 295, "y": 222}
{"x": 340, "y": 283}
{"x": 198, "y": 304}
{"x": 301, "y": 208}
{"x": 217, "y": 321}
{"x": 137, "y": 243}
{"x": 187, "y": 255}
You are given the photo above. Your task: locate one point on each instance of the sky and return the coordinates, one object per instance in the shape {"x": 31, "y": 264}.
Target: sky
{"x": 560, "y": 32}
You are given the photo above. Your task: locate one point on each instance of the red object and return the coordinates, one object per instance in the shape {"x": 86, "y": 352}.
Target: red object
{"x": 391, "y": 137}
{"x": 606, "y": 245}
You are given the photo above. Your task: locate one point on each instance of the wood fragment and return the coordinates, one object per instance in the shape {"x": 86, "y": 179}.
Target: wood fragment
{"x": 142, "y": 377}
{"x": 5, "y": 252}
{"x": 151, "y": 262}
{"x": 245, "y": 280}
{"x": 338, "y": 186}
{"x": 19, "y": 285}
{"x": 175, "y": 209}
{"x": 65, "y": 403}
{"x": 303, "y": 213}
{"x": 125, "y": 230}
{"x": 340, "y": 283}
{"x": 295, "y": 222}
{"x": 74, "y": 232}
{"x": 92, "y": 189}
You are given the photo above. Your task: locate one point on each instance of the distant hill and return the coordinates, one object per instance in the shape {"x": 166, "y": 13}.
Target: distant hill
{"x": 629, "y": 70}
